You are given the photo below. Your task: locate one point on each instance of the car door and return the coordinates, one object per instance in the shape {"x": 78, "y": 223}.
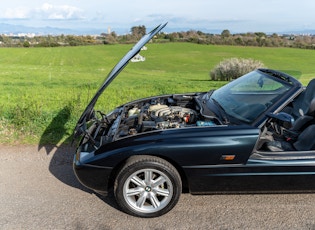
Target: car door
{"x": 264, "y": 173}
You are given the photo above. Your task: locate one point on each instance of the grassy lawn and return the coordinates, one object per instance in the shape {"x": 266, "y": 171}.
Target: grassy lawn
{"x": 41, "y": 85}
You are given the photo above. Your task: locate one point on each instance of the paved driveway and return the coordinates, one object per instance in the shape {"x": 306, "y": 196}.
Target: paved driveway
{"x": 38, "y": 190}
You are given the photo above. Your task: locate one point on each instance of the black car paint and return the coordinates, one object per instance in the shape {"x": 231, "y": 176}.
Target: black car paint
{"x": 190, "y": 148}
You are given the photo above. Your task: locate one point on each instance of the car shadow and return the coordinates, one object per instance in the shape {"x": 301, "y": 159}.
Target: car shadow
{"x": 61, "y": 154}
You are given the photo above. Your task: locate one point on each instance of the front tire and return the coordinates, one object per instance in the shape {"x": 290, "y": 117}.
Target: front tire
{"x": 147, "y": 186}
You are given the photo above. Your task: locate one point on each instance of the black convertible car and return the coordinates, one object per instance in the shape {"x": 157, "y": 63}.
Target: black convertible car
{"x": 148, "y": 151}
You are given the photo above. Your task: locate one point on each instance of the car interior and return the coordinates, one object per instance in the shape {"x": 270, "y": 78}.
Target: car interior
{"x": 292, "y": 129}
{"x": 290, "y": 134}
{"x": 303, "y": 101}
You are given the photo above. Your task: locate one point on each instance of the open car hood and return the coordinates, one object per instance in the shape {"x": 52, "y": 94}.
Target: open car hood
{"x": 89, "y": 111}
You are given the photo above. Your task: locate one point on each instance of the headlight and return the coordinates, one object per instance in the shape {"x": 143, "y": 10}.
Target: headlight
{"x": 83, "y": 157}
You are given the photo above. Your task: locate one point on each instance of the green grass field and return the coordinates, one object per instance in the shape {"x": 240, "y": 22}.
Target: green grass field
{"x": 44, "y": 90}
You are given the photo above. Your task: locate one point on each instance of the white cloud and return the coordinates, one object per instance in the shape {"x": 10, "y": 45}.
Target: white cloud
{"x": 46, "y": 7}
{"x": 17, "y": 13}
{"x": 45, "y": 12}
{"x": 60, "y": 12}
{"x": 237, "y": 16}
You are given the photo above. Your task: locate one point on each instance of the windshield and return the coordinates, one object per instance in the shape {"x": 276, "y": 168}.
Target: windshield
{"x": 250, "y": 95}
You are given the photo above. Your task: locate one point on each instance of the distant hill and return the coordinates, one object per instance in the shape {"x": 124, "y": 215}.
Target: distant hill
{"x": 17, "y": 29}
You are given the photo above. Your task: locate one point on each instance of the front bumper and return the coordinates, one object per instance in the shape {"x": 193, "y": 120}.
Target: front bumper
{"x": 91, "y": 176}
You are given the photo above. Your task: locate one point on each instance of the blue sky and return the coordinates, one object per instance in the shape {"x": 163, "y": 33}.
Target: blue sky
{"x": 237, "y": 16}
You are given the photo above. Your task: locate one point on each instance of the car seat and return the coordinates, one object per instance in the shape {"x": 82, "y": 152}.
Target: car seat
{"x": 302, "y": 103}
{"x": 305, "y": 120}
{"x": 301, "y": 136}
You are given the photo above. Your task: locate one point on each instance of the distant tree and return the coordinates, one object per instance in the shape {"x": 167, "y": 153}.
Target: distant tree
{"x": 26, "y": 44}
{"x": 225, "y": 34}
{"x": 239, "y": 41}
{"x": 138, "y": 31}
{"x": 200, "y": 33}
{"x": 260, "y": 34}
{"x": 88, "y": 39}
{"x": 72, "y": 40}
{"x": 110, "y": 38}
{"x": 114, "y": 34}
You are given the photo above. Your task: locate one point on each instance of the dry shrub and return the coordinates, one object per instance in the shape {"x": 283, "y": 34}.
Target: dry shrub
{"x": 233, "y": 68}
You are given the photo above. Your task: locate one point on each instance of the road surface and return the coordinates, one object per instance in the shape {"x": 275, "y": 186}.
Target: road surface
{"x": 38, "y": 190}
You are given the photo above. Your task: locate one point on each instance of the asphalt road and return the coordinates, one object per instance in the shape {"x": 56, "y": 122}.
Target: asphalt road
{"x": 38, "y": 190}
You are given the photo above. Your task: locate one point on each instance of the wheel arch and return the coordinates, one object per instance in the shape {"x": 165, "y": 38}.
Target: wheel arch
{"x": 119, "y": 166}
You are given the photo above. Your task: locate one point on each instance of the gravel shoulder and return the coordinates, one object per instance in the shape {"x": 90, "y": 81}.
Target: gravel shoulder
{"x": 38, "y": 190}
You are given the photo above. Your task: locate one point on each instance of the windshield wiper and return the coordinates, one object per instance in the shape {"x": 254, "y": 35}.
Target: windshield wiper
{"x": 208, "y": 95}
{"x": 222, "y": 111}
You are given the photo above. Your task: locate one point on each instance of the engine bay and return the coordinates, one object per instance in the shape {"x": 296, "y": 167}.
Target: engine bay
{"x": 149, "y": 115}
{"x": 176, "y": 111}
{"x": 160, "y": 113}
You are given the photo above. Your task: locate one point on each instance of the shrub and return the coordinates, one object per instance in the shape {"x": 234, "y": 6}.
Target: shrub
{"x": 26, "y": 44}
{"x": 233, "y": 68}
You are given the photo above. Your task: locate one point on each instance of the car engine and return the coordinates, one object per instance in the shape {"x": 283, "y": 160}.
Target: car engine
{"x": 155, "y": 117}
{"x": 148, "y": 115}
{"x": 159, "y": 115}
